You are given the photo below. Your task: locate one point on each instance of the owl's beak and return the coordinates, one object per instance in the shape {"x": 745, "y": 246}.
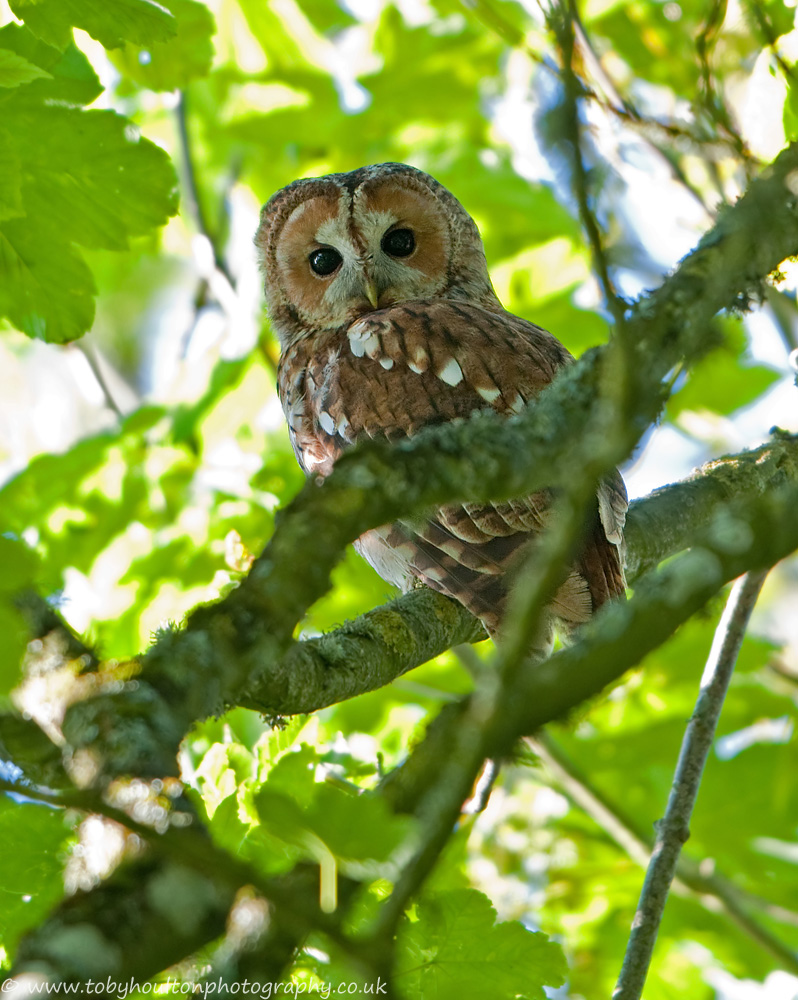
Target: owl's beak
{"x": 371, "y": 292}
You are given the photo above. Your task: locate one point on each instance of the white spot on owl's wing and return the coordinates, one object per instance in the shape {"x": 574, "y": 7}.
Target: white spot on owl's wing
{"x": 326, "y": 422}
{"x": 489, "y": 395}
{"x": 518, "y": 404}
{"x": 419, "y": 362}
{"x": 387, "y": 363}
{"x": 359, "y": 330}
{"x": 343, "y": 427}
{"x": 357, "y": 347}
{"x": 451, "y": 373}
{"x": 363, "y": 340}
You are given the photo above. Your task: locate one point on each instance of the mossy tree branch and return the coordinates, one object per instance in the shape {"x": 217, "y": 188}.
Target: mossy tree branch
{"x": 225, "y": 648}
{"x": 219, "y": 656}
{"x": 383, "y": 644}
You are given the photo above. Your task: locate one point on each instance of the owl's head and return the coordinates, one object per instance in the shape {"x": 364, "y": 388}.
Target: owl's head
{"x": 333, "y": 248}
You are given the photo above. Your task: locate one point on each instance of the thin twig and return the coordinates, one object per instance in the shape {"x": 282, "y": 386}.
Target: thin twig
{"x": 613, "y": 104}
{"x": 192, "y": 189}
{"x": 91, "y": 359}
{"x": 712, "y": 102}
{"x": 564, "y": 27}
{"x": 673, "y": 830}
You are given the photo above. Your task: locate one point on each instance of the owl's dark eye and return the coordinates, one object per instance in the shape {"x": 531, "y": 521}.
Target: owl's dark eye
{"x": 324, "y": 261}
{"x": 399, "y": 243}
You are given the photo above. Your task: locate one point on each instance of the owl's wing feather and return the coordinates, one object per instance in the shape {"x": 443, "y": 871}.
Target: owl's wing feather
{"x": 398, "y": 369}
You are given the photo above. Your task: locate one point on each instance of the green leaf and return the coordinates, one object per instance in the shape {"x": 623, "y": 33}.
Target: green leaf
{"x": 298, "y": 809}
{"x": 33, "y": 839}
{"x": 112, "y": 22}
{"x": 15, "y": 69}
{"x": 46, "y": 290}
{"x": 10, "y": 178}
{"x": 20, "y": 567}
{"x": 791, "y": 113}
{"x": 66, "y": 77}
{"x": 780, "y": 17}
{"x": 327, "y": 16}
{"x": 88, "y": 178}
{"x": 723, "y": 386}
{"x": 455, "y": 948}
{"x": 172, "y": 64}
{"x": 95, "y": 178}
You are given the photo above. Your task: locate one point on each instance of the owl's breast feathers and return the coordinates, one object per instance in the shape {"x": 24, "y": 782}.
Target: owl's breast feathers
{"x": 396, "y": 370}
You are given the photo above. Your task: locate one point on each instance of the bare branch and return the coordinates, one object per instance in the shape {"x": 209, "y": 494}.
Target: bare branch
{"x": 674, "y": 829}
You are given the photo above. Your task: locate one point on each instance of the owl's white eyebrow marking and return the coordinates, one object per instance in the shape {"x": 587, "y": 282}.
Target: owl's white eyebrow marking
{"x": 451, "y": 373}
{"x": 326, "y": 422}
{"x": 373, "y": 225}
{"x": 334, "y": 233}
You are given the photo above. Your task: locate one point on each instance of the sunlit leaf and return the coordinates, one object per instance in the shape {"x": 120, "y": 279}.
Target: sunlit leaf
{"x": 172, "y": 63}
{"x": 453, "y": 946}
{"x": 109, "y": 21}
{"x": 31, "y": 879}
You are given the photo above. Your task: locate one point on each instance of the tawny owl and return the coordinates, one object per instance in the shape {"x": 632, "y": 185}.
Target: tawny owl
{"x": 377, "y": 286}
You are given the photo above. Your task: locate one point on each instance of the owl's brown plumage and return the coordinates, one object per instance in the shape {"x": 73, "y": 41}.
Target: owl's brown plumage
{"x": 377, "y": 286}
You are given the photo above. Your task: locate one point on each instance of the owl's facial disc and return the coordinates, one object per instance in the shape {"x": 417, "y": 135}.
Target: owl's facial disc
{"x": 340, "y": 256}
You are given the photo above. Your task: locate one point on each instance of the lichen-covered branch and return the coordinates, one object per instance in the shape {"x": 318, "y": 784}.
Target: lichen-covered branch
{"x": 218, "y": 656}
{"x": 618, "y": 639}
{"x": 385, "y": 643}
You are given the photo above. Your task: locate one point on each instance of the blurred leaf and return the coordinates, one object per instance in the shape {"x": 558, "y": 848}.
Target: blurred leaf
{"x": 33, "y": 840}
{"x": 66, "y": 76}
{"x": 19, "y": 573}
{"x": 15, "y": 69}
{"x": 171, "y": 64}
{"x": 327, "y": 16}
{"x": 111, "y": 22}
{"x": 455, "y": 948}
{"x": 294, "y": 807}
{"x": 791, "y": 113}
{"x": 722, "y": 381}
{"x": 779, "y": 16}
{"x": 10, "y": 179}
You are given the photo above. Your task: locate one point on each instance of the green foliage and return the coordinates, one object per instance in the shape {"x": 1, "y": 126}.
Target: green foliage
{"x": 31, "y": 876}
{"x": 77, "y": 177}
{"x": 20, "y": 574}
{"x": 111, "y": 22}
{"x": 130, "y": 523}
{"x": 451, "y": 945}
{"x": 173, "y": 62}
